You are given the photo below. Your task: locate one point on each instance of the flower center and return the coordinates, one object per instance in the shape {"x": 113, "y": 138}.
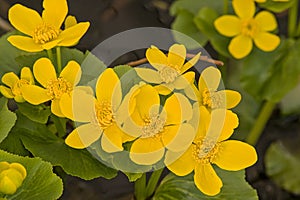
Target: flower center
{"x": 44, "y": 33}
{"x": 56, "y": 88}
{"x": 249, "y": 28}
{"x": 168, "y": 74}
{"x": 16, "y": 90}
{"x": 204, "y": 151}
{"x": 104, "y": 113}
{"x": 211, "y": 99}
{"x": 153, "y": 126}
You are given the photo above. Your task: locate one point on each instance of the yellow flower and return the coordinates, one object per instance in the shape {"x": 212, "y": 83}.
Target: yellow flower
{"x": 245, "y": 27}
{"x": 53, "y": 87}
{"x": 99, "y": 114}
{"x": 229, "y": 155}
{"x": 44, "y": 32}
{"x": 15, "y": 84}
{"x": 208, "y": 95}
{"x": 170, "y": 69}
{"x": 11, "y": 177}
{"x": 158, "y": 127}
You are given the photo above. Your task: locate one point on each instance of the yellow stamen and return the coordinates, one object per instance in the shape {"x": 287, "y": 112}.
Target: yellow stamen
{"x": 56, "y": 88}
{"x": 205, "y": 150}
{"x": 212, "y": 99}
{"x": 168, "y": 74}
{"x": 104, "y": 113}
{"x": 153, "y": 126}
{"x": 16, "y": 90}
{"x": 44, "y": 33}
{"x": 250, "y": 28}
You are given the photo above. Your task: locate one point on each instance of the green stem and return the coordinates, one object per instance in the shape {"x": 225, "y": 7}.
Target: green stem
{"x": 293, "y": 17}
{"x": 140, "y": 188}
{"x": 153, "y": 182}
{"x": 59, "y": 126}
{"x": 50, "y": 54}
{"x": 58, "y": 58}
{"x": 225, "y": 6}
{"x": 260, "y": 122}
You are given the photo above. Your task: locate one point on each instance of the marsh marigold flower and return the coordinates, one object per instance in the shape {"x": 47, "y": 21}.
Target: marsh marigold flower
{"x": 14, "y": 89}
{"x": 205, "y": 151}
{"x": 245, "y": 28}
{"x": 11, "y": 177}
{"x": 158, "y": 127}
{"x": 53, "y": 87}
{"x": 99, "y": 114}
{"x": 170, "y": 70}
{"x": 44, "y": 32}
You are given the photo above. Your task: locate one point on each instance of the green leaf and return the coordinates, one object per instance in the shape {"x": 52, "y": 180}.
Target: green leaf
{"x": 277, "y": 6}
{"x": 37, "y": 113}
{"x": 40, "y": 182}
{"x": 290, "y": 103}
{"x": 272, "y": 79}
{"x": 184, "y": 23}
{"x": 8, "y": 55}
{"x": 234, "y": 187}
{"x": 29, "y": 60}
{"x": 204, "y": 20}
{"x": 42, "y": 143}
{"x": 194, "y": 6}
{"x": 7, "y": 119}
{"x": 282, "y": 165}
{"x": 132, "y": 177}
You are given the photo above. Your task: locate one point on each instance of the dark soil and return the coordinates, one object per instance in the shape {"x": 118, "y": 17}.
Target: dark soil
{"x": 109, "y": 17}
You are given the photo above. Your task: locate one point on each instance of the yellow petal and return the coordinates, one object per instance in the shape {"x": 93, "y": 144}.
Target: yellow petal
{"x": 206, "y": 180}
{"x": 203, "y": 120}
{"x": 26, "y": 74}
{"x": 230, "y": 122}
{"x": 228, "y": 25}
{"x": 24, "y": 19}
{"x": 178, "y": 138}
{"x": 72, "y": 35}
{"x": 183, "y": 165}
{"x": 10, "y": 79}
{"x": 70, "y": 21}
{"x": 44, "y": 71}
{"x": 108, "y": 88}
{"x": 164, "y": 89}
{"x": 79, "y": 106}
{"x": 176, "y": 56}
{"x": 51, "y": 44}
{"x": 111, "y": 140}
{"x": 19, "y": 98}
{"x": 6, "y": 92}
{"x": 147, "y": 101}
{"x": 184, "y": 80}
{"x": 266, "y": 41}
{"x": 71, "y": 72}
{"x": 148, "y": 75}
{"x": 146, "y": 151}
{"x": 20, "y": 168}
{"x": 35, "y": 94}
{"x": 190, "y": 63}
{"x": 55, "y": 108}
{"x": 156, "y": 57}
{"x": 24, "y": 43}
{"x": 245, "y": 9}
{"x": 55, "y": 12}
{"x": 233, "y": 98}
{"x": 83, "y": 136}
{"x": 240, "y": 46}
{"x": 192, "y": 92}
{"x": 210, "y": 79}
{"x": 266, "y": 21}
{"x": 235, "y": 155}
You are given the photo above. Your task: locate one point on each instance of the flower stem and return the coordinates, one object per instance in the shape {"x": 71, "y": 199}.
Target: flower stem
{"x": 153, "y": 182}
{"x": 50, "y": 54}
{"x": 58, "y": 58}
{"x": 293, "y": 17}
{"x": 260, "y": 122}
{"x": 140, "y": 188}
{"x": 59, "y": 126}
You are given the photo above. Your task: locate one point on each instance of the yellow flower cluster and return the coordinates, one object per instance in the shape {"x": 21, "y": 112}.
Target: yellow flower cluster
{"x": 11, "y": 177}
